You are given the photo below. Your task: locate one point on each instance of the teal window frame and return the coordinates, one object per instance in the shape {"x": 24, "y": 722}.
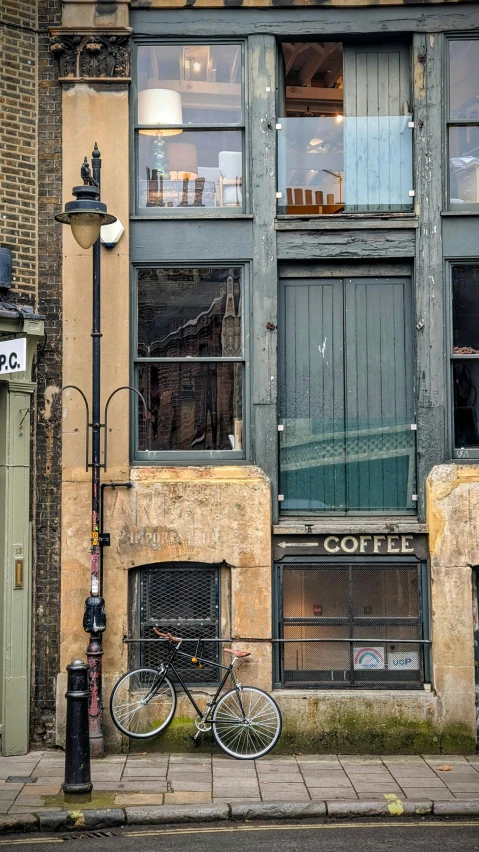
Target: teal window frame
{"x": 188, "y": 457}
{"x": 184, "y": 212}
{"x": 454, "y": 208}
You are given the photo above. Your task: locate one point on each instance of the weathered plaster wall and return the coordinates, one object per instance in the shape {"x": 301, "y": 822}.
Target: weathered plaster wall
{"x": 453, "y": 518}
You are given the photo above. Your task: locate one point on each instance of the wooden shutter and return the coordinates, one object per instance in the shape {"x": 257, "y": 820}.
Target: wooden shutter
{"x": 377, "y": 141}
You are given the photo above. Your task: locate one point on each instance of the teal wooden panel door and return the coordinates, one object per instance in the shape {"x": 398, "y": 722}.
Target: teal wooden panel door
{"x": 379, "y": 404}
{"x": 312, "y": 453}
{"x": 346, "y": 395}
{"x": 377, "y": 139}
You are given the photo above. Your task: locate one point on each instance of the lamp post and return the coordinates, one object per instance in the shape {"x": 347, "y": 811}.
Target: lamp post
{"x": 86, "y": 214}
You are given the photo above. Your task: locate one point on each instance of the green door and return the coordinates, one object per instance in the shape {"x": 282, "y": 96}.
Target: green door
{"x": 346, "y": 395}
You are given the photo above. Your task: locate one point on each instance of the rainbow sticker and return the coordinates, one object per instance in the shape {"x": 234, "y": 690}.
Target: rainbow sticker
{"x": 368, "y": 658}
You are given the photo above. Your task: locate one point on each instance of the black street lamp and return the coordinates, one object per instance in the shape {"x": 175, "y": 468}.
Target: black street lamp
{"x": 86, "y": 215}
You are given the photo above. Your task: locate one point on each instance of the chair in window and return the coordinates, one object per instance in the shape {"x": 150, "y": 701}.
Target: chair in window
{"x": 231, "y": 178}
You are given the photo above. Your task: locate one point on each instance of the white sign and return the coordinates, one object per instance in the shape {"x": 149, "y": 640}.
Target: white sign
{"x": 368, "y": 657}
{"x": 13, "y": 356}
{"x": 403, "y": 660}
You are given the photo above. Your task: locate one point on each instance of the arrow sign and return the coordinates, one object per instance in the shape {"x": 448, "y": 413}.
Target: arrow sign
{"x": 298, "y": 544}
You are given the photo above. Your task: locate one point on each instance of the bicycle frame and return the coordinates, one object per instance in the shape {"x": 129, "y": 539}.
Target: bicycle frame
{"x": 204, "y": 716}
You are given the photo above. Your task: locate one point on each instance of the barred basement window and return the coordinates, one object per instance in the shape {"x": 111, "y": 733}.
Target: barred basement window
{"x": 182, "y": 599}
{"x": 362, "y": 612}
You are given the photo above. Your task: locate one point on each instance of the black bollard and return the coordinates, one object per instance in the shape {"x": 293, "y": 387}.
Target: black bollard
{"x": 77, "y": 744}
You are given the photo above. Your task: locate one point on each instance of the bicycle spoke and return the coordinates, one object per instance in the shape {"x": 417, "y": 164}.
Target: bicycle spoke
{"x": 247, "y": 723}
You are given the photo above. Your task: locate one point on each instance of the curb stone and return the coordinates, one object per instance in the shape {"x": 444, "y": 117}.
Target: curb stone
{"x": 176, "y": 813}
{"x": 456, "y": 808}
{"x": 278, "y": 810}
{"x": 58, "y": 820}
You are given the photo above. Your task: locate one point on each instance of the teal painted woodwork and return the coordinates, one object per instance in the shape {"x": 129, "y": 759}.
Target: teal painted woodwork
{"x": 346, "y": 395}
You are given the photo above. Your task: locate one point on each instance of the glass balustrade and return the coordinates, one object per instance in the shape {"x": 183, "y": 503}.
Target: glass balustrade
{"x": 342, "y": 164}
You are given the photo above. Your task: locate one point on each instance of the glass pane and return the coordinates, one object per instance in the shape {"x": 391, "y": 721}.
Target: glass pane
{"x": 464, "y": 165}
{"x": 186, "y": 168}
{"x": 465, "y": 309}
{"x": 315, "y": 594}
{"x": 465, "y": 375}
{"x": 380, "y": 593}
{"x": 190, "y": 84}
{"x": 312, "y": 662}
{"x": 464, "y": 79}
{"x": 193, "y": 406}
{"x": 189, "y": 313}
{"x": 345, "y": 164}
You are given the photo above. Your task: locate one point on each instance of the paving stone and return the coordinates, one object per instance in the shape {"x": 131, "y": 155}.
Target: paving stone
{"x": 468, "y": 796}
{"x": 135, "y": 786}
{"x": 464, "y": 787}
{"x": 367, "y": 786}
{"x": 324, "y": 793}
{"x": 317, "y": 758}
{"x": 337, "y": 783}
{"x": 414, "y": 781}
{"x": 40, "y": 790}
{"x": 144, "y": 772}
{"x": 238, "y": 800}
{"x": 191, "y": 797}
{"x": 449, "y": 759}
{"x": 176, "y": 813}
{"x": 123, "y": 799}
{"x": 292, "y": 795}
{"x": 433, "y": 793}
{"x": 190, "y": 786}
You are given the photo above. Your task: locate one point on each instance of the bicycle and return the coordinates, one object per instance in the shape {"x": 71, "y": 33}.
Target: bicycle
{"x": 246, "y": 722}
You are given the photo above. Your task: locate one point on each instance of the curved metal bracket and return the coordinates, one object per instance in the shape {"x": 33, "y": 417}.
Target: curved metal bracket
{"x": 87, "y": 429}
{"x": 123, "y": 387}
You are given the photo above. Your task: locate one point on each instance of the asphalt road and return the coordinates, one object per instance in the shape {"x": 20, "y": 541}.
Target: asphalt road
{"x": 408, "y": 836}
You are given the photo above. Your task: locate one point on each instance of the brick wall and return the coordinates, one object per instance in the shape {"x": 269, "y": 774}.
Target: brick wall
{"x": 47, "y": 476}
{"x": 18, "y": 191}
{"x": 30, "y": 195}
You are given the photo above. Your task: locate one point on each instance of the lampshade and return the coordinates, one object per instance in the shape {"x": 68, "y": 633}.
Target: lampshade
{"x": 182, "y": 159}
{"x": 159, "y": 106}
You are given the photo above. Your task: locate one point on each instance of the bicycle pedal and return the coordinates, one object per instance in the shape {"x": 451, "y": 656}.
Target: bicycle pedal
{"x": 196, "y": 740}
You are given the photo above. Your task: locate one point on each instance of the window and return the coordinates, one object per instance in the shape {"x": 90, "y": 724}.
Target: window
{"x": 346, "y": 395}
{"x": 184, "y": 600}
{"x": 465, "y": 357}
{"x": 463, "y": 124}
{"x": 345, "y": 132}
{"x": 190, "y": 362}
{"x": 361, "y": 610}
{"x": 190, "y": 125}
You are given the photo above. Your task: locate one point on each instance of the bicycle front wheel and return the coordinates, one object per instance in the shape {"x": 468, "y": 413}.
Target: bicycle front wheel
{"x": 246, "y": 723}
{"x": 138, "y": 708}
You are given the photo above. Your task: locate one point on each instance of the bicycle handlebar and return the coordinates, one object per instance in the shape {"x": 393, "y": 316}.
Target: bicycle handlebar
{"x": 166, "y": 635}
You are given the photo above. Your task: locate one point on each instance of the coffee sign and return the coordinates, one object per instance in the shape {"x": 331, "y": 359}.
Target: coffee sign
{"x": 349, "y": 544}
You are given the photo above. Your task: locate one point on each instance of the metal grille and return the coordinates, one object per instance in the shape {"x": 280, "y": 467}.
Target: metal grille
{"x": 183, "y": 600}
{"x": 370, "y": 609}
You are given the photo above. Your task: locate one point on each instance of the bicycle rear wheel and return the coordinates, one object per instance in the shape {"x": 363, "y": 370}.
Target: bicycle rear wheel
{"x": 137, "y": 709}
{"x": 246, "y": 723}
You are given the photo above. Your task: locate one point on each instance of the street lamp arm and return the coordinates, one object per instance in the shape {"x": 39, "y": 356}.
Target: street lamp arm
{"x": 87, "y": 427}
{"x": 123, "y": 387}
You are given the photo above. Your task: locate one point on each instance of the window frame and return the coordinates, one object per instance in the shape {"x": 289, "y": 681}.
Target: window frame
{"x": 138, "y": 212}
{"x": 456, "y": 453}
{"x": 449, "y": 123}
{"x": 299, "y": 562}
{"x": 348, "y": 215}
{"x": 187, "y": 457}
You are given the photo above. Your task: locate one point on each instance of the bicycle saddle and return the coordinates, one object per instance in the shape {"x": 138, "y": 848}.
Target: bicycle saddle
{"x": 237, "y": 653}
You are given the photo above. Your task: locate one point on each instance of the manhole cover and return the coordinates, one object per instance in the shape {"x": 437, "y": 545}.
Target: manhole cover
{"x": 20, "y": 779}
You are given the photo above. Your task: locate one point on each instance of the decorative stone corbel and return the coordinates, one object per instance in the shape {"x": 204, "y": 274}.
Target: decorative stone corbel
{"x": 92, "y": 55}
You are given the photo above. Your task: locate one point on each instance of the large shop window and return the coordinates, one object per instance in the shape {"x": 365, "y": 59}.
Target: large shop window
{"x": 189, "y": 128}
{"x": 189, "y": 363}
{"x": 345, "y": 129}
{"x": 463, "y": 124}
{"x": 465, "y": 358}
{"x": 350, "y": 619}
{"x": 346, "y": 395}
{"x": 184, "y": 600}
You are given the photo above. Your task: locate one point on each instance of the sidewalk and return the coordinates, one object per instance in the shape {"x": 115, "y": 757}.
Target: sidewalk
{"x": 177, "y": 787}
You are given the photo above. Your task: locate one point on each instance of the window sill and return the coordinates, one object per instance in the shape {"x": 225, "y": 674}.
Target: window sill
{"x": 454, "y": 213}
{"x": 345, "y": 222}
{"x": 172, "y": 217}
{"x": 303, "y": 526}
{"x": 352, "y": 692}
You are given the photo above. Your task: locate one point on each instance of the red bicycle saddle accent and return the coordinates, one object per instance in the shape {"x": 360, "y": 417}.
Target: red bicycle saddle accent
{"x": 237, "y": 653}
